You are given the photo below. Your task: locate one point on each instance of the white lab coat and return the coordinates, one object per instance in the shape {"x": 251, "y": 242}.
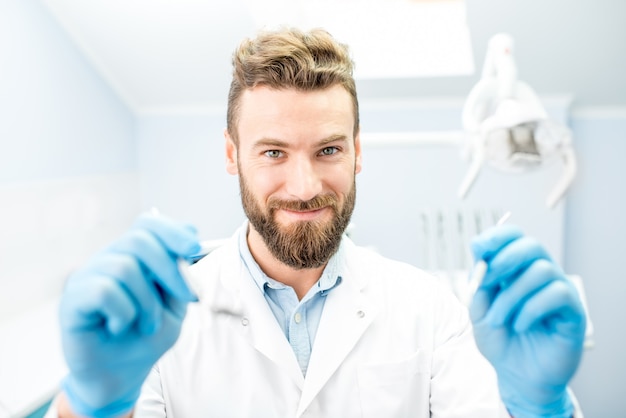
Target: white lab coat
{"x": 392, "y": 342}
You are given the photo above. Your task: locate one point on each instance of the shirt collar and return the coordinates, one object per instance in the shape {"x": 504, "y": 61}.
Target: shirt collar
{"x": 330, "y": 278}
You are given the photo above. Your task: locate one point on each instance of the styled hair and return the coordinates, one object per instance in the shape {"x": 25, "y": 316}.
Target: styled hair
{"x": 290, "y": 59}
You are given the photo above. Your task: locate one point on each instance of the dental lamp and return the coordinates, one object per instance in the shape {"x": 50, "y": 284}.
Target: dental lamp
{"x": 508, "y": 126}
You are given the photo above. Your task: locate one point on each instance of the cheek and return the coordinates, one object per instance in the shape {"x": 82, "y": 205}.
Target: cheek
{"x": 262, "y": 183}
{"x": 342, "y": 181}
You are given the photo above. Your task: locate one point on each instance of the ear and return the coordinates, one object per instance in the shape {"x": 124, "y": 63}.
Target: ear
{"x": 231, "y": 154}
{"x": 357, "y": 152}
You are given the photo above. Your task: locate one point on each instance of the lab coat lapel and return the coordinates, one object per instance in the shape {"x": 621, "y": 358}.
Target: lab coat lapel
{"x": 253, "y": 319}
{"x": 263, "y": 331}
{"x": 347, "y": 314}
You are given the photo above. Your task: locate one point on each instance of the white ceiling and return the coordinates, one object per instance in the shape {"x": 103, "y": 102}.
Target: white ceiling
{"x": 175, "y": 54}
{"x": 157, "y": 53}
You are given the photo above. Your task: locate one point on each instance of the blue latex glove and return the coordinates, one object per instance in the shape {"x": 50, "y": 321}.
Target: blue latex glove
{"x": 121, "y": 312}
{"x": 529, "y": 323}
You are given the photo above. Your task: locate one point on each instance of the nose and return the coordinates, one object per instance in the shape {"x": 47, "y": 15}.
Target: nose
{"x": 303, "y": 180}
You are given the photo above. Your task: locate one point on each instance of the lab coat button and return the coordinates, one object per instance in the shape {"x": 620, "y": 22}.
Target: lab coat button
{"x": 360, "y": 314}
{"x": 244, "y": 321}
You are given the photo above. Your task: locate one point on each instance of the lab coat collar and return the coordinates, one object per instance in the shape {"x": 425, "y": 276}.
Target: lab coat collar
{"x": 236, "y": 295}
{"x": 348, "y": 312}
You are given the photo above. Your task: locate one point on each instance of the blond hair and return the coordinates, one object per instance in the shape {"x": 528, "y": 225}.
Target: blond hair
{"x": 290, "y": 58}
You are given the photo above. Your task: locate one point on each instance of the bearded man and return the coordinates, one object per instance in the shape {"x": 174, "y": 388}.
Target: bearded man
{"x": 292, "y": 318}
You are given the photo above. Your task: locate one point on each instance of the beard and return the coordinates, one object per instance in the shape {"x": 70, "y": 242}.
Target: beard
{"x": 302, "y": 244}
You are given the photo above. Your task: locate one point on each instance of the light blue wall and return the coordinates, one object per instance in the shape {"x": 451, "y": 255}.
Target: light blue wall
{"x": 68, "y": 184}
{"x": 58, "y": 118}
{"x": 67, "y": 151}
{"x": 183, "y": 174}
{"x": 595, "y": 228}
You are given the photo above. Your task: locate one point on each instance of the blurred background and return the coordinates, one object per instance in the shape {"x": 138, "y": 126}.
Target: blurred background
{"x": 109, "y": 108}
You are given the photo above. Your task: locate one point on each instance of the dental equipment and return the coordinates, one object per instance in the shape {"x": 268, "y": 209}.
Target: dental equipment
{"x": 508, "y": 126}
{"x": 480, "y": 269}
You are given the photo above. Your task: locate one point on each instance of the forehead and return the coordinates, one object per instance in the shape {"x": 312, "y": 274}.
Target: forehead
{"x": 289, "y": 112}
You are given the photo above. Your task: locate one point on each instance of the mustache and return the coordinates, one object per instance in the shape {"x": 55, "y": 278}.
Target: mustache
{"x": 318, "y": 202}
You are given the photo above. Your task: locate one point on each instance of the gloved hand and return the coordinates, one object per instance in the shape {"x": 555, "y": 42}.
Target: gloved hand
{"x": 529, "y": 323}
{"x": 121, "y": 312}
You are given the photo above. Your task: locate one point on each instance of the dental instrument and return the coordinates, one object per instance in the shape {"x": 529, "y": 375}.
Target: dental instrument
{"x": 480, "y": 269}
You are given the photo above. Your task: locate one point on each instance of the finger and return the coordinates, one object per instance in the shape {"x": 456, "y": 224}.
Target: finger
{"x": 171, "y": 323}
{"x": 493, "y": 239}
{"x": 480, "y": 305}
{"x": 97, "y": 303}
{"x": 554, "y": 305}
{"x": 179, "y": 238}
{"x": 127, "y": 270}
{"x": 150, "y": 252}
{"x": 512, "y": 259}
{"x": 509, "y": 300}
{"x": 177, "y": 308}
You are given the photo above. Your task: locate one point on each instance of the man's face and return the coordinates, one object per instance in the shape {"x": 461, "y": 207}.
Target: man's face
{"x": 297, "y": 159}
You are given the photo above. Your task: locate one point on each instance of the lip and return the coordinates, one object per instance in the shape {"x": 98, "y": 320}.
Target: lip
{"x": 304, "y": 215}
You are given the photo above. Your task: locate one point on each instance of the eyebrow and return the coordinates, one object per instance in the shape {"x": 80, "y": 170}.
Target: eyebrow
{"x": 272, "y": 142}
{"x": 333, "y": 138}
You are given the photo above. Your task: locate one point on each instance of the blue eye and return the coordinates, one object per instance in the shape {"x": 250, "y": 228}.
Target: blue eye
{"x": 273, "y": 153}
{"x": 329, "y": 151}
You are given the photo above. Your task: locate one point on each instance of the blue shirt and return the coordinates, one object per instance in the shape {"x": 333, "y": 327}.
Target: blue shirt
{"x": 299, "y": 319}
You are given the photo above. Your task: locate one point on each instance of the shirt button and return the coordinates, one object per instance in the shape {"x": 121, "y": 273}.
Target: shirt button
{"x": 297, "y": 317}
